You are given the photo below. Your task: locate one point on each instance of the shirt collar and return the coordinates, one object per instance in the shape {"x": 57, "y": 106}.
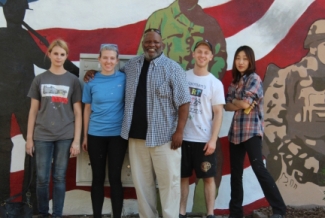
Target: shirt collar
{"x": 156, "y": 61}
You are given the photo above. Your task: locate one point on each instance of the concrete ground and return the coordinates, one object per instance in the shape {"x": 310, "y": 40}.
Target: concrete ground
{"x": 255, "y": 214}
{"x": 135, "y": 216}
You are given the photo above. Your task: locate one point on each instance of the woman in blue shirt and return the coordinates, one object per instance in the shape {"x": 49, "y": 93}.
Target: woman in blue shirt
{"x": 103, "y": 114}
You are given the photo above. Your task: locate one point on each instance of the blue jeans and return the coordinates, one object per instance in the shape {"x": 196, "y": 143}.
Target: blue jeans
{"x": 45, "y": 152}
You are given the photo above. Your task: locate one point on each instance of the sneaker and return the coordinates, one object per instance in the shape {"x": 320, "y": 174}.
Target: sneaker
{"x": 182, "y": 216}
{"x": 277, "y": 216}
{"x": 210, "y": 216}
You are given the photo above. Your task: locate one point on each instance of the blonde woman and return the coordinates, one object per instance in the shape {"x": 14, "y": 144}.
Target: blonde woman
{"x": 54, "y": 127}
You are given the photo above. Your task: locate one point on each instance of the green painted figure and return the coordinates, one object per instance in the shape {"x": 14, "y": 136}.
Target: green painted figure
{"x": 184, "y": 22}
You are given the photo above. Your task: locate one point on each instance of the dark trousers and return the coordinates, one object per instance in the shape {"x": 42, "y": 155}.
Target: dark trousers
{"x": 99, "y": 149}
{"x": 253, "y": 147}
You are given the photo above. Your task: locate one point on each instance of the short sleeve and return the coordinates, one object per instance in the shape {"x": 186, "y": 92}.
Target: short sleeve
{"x": 86, "y": 94}
{"x": 218, "y": 93}
{"x": 76, "y": 94}
{"x": 181, "y": 93}
{"x": 34, "y": 91}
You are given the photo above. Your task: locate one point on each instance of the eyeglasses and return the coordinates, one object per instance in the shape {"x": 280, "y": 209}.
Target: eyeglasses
{"x": 114, "y": 46}
{"x": 152, "y": 30}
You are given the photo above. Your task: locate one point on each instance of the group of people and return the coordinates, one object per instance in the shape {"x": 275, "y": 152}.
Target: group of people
{"x": 167, "y": 118}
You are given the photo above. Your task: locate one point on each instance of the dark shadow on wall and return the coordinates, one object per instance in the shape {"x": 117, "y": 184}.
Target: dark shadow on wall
{"x": 18, "y": 55}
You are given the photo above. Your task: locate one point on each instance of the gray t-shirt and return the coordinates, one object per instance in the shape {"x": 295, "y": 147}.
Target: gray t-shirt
{"x": 57, "y": 94}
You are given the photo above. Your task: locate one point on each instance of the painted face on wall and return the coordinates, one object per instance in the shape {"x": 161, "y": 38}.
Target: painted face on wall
{"x": 202, "y": 56}
{"x": 108, "y": 60}
{"x": 242, "y": 62}
{"x": 14, "y": 11}
{"x": 57, "y": 56}
{"x": 152, "y": 45}
{"x": 321, "y": 52}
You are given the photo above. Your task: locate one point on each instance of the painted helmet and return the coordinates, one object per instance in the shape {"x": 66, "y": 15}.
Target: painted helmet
{"x": 316, "y": 33}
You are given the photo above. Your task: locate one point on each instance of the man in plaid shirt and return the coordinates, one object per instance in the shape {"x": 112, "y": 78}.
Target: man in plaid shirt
{"x": 156, "y": 109}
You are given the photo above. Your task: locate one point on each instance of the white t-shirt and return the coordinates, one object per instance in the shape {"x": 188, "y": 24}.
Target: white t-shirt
{"x": 205, "y": 92}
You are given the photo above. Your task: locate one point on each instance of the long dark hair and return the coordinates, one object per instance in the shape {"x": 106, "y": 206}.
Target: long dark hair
{"x": 251, "y": 66}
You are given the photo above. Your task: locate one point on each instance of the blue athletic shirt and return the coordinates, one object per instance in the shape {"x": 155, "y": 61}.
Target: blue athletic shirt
{"x": 106, "y": 96}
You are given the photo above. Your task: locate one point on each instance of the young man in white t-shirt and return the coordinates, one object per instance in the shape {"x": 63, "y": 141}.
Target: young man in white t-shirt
{"x": 202, "y": 127}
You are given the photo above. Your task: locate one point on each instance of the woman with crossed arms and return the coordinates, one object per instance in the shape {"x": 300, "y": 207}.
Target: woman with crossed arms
{"x": 245, "y": 98}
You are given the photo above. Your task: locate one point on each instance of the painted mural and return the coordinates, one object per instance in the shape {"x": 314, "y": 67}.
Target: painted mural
{"x": 288, "y": 38}
{"x": 295, "y": 118}
{"x": 183, "y": 23}
{"x": 19, "y": 53}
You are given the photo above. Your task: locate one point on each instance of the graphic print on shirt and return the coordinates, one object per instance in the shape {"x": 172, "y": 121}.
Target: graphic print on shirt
{"x": 196, "y": 92}
{"x": 58, "y": 93}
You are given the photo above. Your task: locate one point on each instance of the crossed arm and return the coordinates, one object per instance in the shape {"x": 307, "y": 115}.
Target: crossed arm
{"x": 236, "y": 104}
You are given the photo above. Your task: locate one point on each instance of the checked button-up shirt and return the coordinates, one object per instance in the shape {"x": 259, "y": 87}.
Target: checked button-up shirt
{"x": 245, "y": 126}
{"x": 167, "y": 89}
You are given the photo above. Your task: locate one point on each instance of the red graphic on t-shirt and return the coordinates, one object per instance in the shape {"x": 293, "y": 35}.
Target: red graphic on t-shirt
{"x": 59, "y": 100}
